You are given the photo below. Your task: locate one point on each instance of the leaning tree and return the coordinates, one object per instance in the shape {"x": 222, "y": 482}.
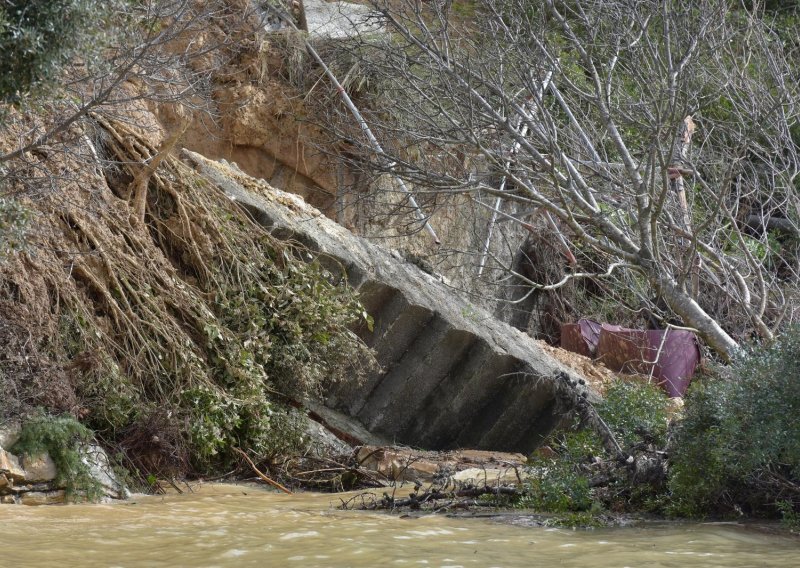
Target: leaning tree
{"x": 658, "y": 140}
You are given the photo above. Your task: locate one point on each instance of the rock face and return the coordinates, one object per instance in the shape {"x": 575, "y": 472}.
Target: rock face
{"x": 39, "y": 469}
{"x": 10, "y": 467}
{"x": 452, "y": 376}
{"x": 31, "y": 480}
{"x": 96, "y": 459}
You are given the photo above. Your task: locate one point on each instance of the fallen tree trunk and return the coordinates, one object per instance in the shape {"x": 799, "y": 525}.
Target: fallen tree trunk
{"x": 759, "y": 223}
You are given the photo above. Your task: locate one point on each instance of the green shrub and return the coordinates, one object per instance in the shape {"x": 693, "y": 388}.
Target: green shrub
{"x": 293, "y": 320}
{"x": 790, "y": 518}
{"x": 61, "y": 437}
{"x": 635, "y": 412}
{"x": 557, "y": 486}
{"x": 37, "y": 37}
{"x": 738, "y": 447}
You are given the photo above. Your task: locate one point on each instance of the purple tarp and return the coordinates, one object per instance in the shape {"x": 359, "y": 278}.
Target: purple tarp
{"x": 581, "y": 337}
{"x": 669, "y": 356}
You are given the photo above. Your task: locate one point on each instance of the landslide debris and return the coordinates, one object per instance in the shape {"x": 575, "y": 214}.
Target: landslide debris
{"x": 149, "y": 306}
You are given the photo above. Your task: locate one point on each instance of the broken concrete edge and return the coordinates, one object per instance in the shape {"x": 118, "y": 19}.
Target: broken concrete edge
{"x": 344, "y": 427}
{"x": 31, "y": 480}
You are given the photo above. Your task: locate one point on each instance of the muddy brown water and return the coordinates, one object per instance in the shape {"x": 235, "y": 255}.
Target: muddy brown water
{"x": 237, "y": 526}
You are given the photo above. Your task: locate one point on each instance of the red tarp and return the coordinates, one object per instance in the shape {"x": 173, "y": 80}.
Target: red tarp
{"x": 669, "y": 356}
{"x": 581, "y": 337}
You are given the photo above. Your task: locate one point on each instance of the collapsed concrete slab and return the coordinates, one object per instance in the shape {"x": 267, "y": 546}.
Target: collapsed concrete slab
{"x": 452, "y": 375}
{"x": 340, "y": 20}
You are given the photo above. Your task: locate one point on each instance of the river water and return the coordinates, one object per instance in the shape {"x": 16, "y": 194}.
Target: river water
{"x": 237, "y": 526}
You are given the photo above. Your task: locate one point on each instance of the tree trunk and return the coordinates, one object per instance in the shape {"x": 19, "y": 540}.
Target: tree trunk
{"x": 676, "y": 172}
{"x": 694, "y": 316}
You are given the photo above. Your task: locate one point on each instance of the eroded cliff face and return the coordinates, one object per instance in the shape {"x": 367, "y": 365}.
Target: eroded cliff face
{"x": 261, "y": 128}
{"x": 254, "y": 114}
{"x": 268, "y": 110}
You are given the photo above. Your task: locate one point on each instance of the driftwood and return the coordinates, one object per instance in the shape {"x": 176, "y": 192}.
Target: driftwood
{"x": 336, "y": 473}
{"x": 263, "y": 477}
{"x": 626, "y": 468}
{"x": 432, "y": 498}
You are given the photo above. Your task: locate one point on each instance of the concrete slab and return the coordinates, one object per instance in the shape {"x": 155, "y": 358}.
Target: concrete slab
{"x": 452, "y": 375}
{"x": 340, "y": 20}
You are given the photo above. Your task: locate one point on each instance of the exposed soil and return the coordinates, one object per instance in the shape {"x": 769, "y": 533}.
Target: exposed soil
{"x": 596, "y": 374}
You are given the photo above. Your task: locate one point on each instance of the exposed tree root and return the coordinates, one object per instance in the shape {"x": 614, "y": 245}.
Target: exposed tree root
{"x": 166, "y": 313}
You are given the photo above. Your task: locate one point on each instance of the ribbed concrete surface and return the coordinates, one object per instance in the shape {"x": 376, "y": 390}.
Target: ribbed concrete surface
{"x": 452, "y": 376}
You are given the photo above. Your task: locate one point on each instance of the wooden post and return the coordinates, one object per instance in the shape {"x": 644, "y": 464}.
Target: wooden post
{"x": 676, "y": 170}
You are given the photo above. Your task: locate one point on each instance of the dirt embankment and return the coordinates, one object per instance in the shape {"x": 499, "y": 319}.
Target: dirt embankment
{"x": 148, "y": 305}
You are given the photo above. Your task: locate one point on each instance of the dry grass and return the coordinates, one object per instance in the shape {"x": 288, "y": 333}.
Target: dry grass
{"x": 151, "y": 307}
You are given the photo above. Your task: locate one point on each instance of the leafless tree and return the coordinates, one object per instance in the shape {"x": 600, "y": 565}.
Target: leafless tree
{"x": 653, "y": 136}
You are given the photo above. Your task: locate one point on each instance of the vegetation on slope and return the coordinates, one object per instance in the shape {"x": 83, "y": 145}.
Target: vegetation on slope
{"x": 62, "y": 438}
{"x": 134, "y": 296}
{"x": 733, "y": 450}
{"x": 176, "y": 336}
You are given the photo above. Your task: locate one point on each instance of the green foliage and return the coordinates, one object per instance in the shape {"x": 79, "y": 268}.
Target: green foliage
{"x": 107, "y": 391}
{"x": 738, "y": 447}
{"x": 285, "y": 331}
{"x": 14, "y": 221}
{"x": 557, "y": 486}
{"x": 635, "y": 411}
{"x": 223, "y": 331}
{"x": 294, "y": 321}
{"x": 61, "y": 437}
{"x": 578, "y": 520}
{"x": 220, "y": 421}
{"x": 790, "y": 518}
{"x": 37, "y": 37}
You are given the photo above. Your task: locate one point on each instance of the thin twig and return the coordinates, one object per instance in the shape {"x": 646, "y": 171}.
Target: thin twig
{"x": 261, "y": 475}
